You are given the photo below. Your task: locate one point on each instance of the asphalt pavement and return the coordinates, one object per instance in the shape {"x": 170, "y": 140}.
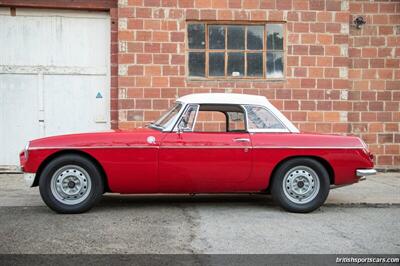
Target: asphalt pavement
{"x": 362, "y": 218}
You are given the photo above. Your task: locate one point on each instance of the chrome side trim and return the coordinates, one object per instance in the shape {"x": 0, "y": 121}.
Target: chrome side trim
{"x": 365, "y": 172}
{"x": 206, "y": 147}
{"x": 191, "y": 146}
{"x": 93, "y": 147}
{"x": 270, "y": 130}
{"x": 29, "y": 178}
{"x": 304, "y": 147}
{"x": 143, "y": 147}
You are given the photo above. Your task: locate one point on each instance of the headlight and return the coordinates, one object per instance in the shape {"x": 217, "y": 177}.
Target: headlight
{"x": 26, "y": 153}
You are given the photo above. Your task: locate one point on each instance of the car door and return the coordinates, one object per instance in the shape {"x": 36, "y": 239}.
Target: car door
{"x": 204, "y": 161}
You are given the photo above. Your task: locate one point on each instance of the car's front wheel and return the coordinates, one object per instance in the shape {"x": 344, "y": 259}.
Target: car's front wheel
{"x": 71, "y": 184}
{"x": 300, "y": 185}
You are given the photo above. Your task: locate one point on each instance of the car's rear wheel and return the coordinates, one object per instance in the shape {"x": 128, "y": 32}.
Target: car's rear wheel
{"x": 300, "y": 185}
{"x": 71, "y": 184}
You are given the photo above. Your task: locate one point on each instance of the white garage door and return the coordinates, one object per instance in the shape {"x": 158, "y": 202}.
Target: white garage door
{"x": 54, "y": 76}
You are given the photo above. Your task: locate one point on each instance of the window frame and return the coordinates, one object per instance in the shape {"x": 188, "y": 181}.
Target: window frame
{"x": 227, "y": 122}
{"x": 176, "y": 125}
{"x": 207, "y": 50}
{"x": 286, "y": 129}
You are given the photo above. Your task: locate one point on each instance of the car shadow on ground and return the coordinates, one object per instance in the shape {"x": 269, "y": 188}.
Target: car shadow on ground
{"x": 199, "y": 200}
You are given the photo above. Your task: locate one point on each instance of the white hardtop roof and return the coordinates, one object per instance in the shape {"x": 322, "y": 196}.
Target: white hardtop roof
{"x": 236, "y": 98}
{"x": 224, "y": 98}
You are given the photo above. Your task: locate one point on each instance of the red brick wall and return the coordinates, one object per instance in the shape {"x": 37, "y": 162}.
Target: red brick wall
{"x": 374, "y": 53}
{"x": 321, "y": 92}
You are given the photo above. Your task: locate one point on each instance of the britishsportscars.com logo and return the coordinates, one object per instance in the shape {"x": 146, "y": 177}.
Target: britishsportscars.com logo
{"x": 368, "y": 260}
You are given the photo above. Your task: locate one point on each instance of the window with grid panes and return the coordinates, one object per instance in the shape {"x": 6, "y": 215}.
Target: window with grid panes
{"x": 235, "y": 50}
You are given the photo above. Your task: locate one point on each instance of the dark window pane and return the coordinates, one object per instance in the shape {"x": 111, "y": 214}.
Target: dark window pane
{"x": 216, "y": 64}
{"x": 274, "y": 64}
{"x": 236, "y": 37}
{"x": 254, "y": 64}
{"x": 274, "y": 37}
{"x": 196, "y": 36}
{"x": 216, "y": 37}
{"x": 236, "y": 64}
{"x": 196, "y": 64}
{"x": 255, "y": 37}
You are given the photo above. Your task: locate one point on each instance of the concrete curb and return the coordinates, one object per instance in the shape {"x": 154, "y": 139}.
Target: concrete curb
{"x": 363, "y": 205}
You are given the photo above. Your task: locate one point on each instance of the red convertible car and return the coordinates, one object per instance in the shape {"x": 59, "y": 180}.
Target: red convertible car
{"x": 206, "y": 143}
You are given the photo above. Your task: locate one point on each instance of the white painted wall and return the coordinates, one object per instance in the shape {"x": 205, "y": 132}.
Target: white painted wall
{"x": 53, "y": 64}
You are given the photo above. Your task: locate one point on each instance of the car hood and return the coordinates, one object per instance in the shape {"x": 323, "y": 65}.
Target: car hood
{"x": 120, "y": 138}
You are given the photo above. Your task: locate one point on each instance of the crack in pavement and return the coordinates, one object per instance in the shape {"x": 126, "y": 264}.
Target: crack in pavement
{"x": 344, "y": 236}
{"x": 193, "y": 224}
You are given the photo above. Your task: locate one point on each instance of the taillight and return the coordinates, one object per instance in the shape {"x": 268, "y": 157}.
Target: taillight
{"x": 371, "y": 156}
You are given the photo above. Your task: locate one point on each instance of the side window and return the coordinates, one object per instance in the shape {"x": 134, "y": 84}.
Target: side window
{"x": 236, "y": 121}
{"x": 188, "y": 118}
{"x": 261, "y": 118}
{"x": 210, "y": 121}
{"x": 220, "y": 118}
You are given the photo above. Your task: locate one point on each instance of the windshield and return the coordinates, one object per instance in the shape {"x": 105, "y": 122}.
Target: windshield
{"x": 166, "y": 119}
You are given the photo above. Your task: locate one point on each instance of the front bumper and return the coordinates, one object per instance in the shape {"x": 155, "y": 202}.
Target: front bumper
{"x": 29, "y": 178}
{"x": 365, "y": 172}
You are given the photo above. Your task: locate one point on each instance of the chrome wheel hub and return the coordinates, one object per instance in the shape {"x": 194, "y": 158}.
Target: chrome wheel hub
{"x": 70, "y": 184}
{"x": 301, "y": 184}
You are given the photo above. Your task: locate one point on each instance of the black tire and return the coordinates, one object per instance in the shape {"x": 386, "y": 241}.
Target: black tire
{"x": 283, "y": 198}
{"x": 92, "y": 195}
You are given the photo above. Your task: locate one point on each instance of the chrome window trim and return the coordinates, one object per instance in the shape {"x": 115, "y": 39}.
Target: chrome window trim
{"x": 175, "y": 128}
{"x": 197, "y": 113}
{"x": 171, "y": 126}
{"x": 195, "y": 117}
{"x": 171, "y": 121}
{"x": 289, "y": 127}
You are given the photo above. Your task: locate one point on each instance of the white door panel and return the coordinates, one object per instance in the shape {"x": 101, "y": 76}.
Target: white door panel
{"x": 71, "y": 104}
{"x": 54, "y": 40}
{"x": 18, "y": 115}
{"x": 53, "y": 64}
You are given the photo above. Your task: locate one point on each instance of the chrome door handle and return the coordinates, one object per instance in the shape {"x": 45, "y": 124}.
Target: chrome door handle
{"x": 241, "y": 140}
